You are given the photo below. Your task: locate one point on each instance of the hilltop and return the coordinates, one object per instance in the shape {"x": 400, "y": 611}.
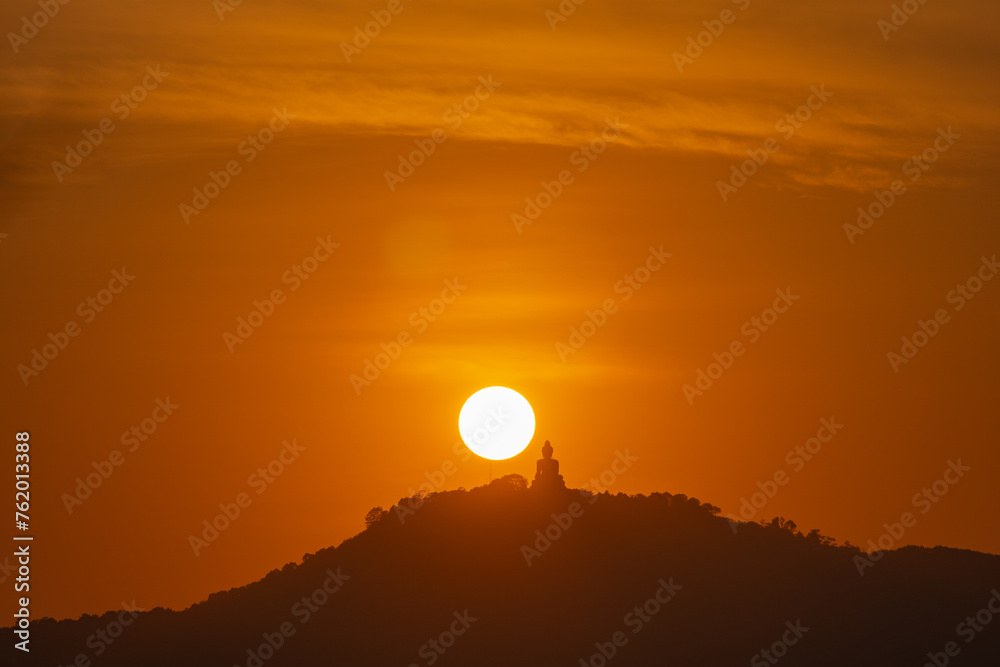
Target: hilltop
{"x": 507, "y": 575}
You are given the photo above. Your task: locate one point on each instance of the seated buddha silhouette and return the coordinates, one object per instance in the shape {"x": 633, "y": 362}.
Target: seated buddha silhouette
{"x": 547, "y": 471}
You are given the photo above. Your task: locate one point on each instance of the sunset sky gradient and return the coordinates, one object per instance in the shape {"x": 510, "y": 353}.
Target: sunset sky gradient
{"x": 654, "y": 186}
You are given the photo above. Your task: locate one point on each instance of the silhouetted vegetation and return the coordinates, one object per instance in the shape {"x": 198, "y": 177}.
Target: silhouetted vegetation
{"x": 375, "y": 515}
{"x": 431, "y": 555}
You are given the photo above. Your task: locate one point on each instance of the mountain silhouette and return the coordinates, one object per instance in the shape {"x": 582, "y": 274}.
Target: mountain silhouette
{"x": 510, "y": 575}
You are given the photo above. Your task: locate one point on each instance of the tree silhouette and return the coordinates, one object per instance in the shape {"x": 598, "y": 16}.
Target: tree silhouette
{"x": 513, "y": 480}
{"x": 464, "y": 552}
{"x": 374, "y": 515}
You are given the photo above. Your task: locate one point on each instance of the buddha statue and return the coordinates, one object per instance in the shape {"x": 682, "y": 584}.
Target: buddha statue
{"x": 547, "y": 471}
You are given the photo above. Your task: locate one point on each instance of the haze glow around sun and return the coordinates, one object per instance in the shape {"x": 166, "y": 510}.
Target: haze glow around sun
{"x": 496, "y": 423}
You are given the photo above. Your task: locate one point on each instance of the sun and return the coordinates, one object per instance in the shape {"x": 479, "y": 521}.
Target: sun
{"x": 496, "y": 423}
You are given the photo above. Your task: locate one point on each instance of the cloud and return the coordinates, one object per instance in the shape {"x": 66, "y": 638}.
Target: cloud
{"x": 558, "y": 86}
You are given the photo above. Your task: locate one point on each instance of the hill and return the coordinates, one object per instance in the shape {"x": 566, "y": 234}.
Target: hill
{"x": 507, "y": 575}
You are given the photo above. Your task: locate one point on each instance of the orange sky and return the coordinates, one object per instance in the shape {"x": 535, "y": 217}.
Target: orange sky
{"x": 654, "y": 184}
